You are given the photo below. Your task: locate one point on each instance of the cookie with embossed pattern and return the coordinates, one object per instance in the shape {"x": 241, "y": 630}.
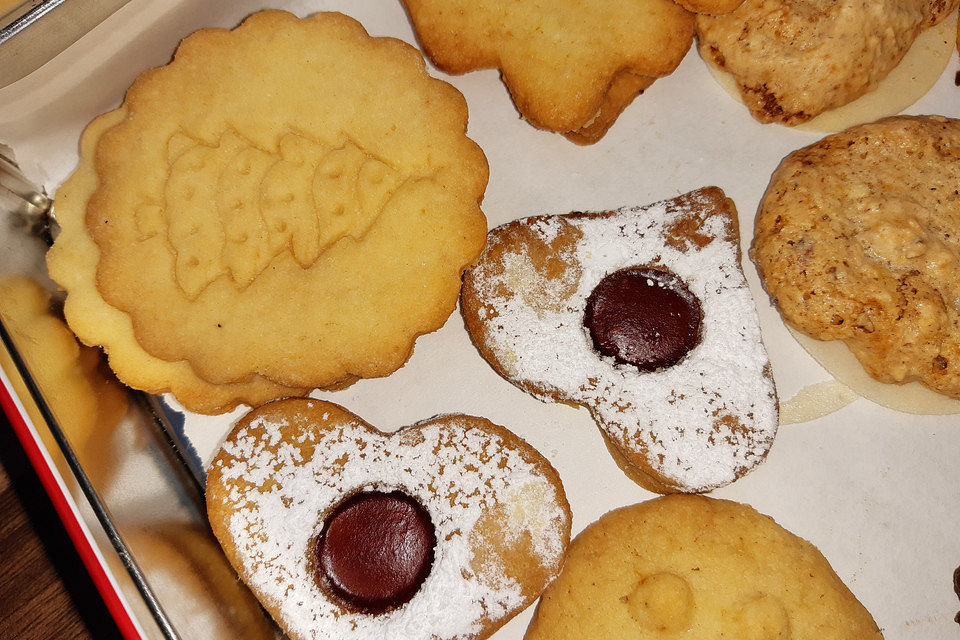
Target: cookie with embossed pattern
{"x": 285, "y": 205}
{"x": 694, "y": 567}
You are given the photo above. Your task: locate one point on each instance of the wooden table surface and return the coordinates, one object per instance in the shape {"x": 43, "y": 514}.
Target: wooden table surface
{"x": 45, "y": 591}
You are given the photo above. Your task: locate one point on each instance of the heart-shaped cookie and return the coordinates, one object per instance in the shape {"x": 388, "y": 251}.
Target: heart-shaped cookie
{"x": 443, "y": 529}
{"x": 643, "y": 316}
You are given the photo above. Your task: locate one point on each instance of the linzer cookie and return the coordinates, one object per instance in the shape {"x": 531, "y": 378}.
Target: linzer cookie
{"x": 856, "y": 240}
{"x": 445, "y": 529}
{"x": 286, "y": 205}
{"x": 643, "y": 316}
{"x": 694, "y": 567}
{"x": 570, "y": 66}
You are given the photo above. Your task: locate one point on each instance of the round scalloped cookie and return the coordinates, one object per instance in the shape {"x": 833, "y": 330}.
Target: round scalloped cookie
{"x": 297, "y": 197}
{"x": 72, "y": 262}
{"x": 444, "y": 529}
{"x": 695, "y": 567}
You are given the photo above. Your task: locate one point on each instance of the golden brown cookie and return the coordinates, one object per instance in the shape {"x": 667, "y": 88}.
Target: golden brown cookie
{"x": 694, "y": 567}
{"x": 643, "y": 316}
{"x": 570, "y": 66}
{"x": 856, "y": 240}
{"x": 270, "y": 213}
{"x": 72, "y": 261}
{"x": 710, "y": 7}
{"x": 444, "y": 529}
{"x": 794, "y": 60}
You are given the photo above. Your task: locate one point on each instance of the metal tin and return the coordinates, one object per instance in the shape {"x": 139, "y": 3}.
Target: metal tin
{"x": 33, "y": 32}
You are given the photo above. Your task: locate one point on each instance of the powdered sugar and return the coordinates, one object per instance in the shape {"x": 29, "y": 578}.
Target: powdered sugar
{"x": 700, "y": 423}
{"x": 291, "y": 476}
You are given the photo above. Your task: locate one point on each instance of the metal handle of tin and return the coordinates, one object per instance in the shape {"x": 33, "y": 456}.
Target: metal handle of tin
{"x": 18, "y": 194}
{"x": 30, "y": 208}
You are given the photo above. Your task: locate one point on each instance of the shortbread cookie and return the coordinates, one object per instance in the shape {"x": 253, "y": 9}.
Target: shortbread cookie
{"x": 301, "y": 492}
{"x": 72, "y": 262}
{"x": 643, "y": 316}
{"x": 288, "y": 210}
{"x": 856, "y": 240}
{"x": 794, "y": 60}
{"x": 695, "y": 567}
{"x": 570, "y": 66}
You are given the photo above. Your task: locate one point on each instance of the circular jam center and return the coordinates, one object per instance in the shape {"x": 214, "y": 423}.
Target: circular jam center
{"x": 375, "y": 550}
{"x": 644, "y": 317}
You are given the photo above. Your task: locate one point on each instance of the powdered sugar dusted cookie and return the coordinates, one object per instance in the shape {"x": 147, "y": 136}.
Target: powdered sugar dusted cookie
{"x": 444, "y": 529}
{"x": 643, "y": 316}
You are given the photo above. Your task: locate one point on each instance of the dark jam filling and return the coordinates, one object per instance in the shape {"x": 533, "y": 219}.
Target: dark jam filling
{"x": 956, "y": 590}
{"x": 644, "y": 317}
{"x": 375, "y": 550}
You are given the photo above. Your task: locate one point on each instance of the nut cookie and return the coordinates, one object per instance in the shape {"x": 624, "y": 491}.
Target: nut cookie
{"x": 710, "y": 7}
{"x": 856, "y": 240}
{"x": 444, "y": 529}
{"x": 297, "y": 198}
{"x": 643, "y": 316}
{"x": 572, "y": 67}
{"x": 794, "y": 60}
{"x": 695, "y": 567}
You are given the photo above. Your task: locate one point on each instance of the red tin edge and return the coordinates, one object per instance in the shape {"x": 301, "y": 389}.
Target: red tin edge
{"x": 98, "y": 573}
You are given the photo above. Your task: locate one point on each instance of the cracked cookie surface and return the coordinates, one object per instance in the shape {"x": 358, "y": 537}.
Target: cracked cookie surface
{"x": 857, "y": 240}
{"x": 795, "y": 59}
